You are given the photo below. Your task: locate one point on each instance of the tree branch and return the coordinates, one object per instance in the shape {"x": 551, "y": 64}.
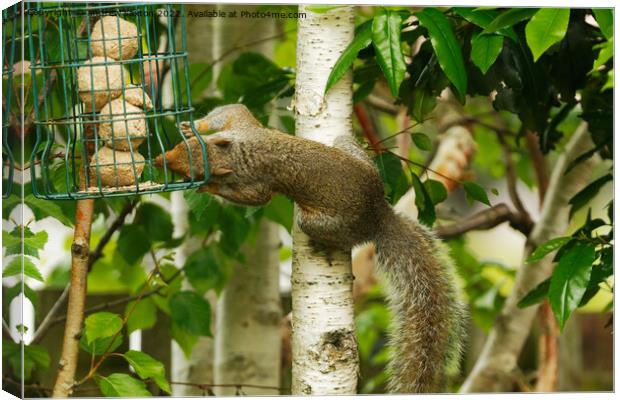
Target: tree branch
{"x": 495, "y": 367}
{"x": 486, "y": 219}
{"x": 50, "y": 319}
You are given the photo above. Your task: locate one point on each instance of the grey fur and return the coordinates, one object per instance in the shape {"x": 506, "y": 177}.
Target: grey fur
{"x": 341, "y": 201}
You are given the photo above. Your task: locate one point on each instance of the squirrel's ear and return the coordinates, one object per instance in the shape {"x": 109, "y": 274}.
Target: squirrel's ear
{"x": 221, "y": 171}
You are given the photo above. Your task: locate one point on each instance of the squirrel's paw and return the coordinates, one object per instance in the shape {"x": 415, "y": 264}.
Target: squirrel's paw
{"x": 186, "y": 128}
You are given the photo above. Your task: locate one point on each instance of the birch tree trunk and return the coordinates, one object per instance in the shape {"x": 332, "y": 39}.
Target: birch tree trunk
{"x": 247, "y": 340}
{"x": 247, "y": 344}
{"x": 325, "y": 359}
{"x": 494, "y": 370}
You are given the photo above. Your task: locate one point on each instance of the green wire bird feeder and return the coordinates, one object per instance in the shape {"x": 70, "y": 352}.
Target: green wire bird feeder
{"x": 9, "y": 39}
{"x": 112, "y": 89}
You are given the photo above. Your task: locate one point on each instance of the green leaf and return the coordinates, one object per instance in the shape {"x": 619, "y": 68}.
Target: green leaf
{"x": 570, "y": 280}
{"x": 361, "y": 40}
{"x": 148, "y": 368}
{"x": 191, "y": 312}
{"x": 15, "y": 268}
{"x": 143, "y": 316}
{"x": 605, "y": 21}
{"x": 206, "y": 269}
{"x": 46, "y": 208}
{"x": 535, "y": 295}
{"x": 510, "y": 18}
{"x": 363, "y": 91}
{"x": 476, "y": 192}
{"x": 588, "y": 193}
{"x": 485, "y": 49}
{"x": 426, "y": 208}
{"x": 483, "y": 19}
{"x": 446, "y": 46}
{"x": 185, "y": 340}
{"x": 546, "y": 248}
{"x": 156, "y": 222}
{"x": 422, "y": 103}
{"x": 605, "y": 54}
{"x": 100, "y": 346}
{"x": 280, "y": 210}
{"x": 422, "y": 141}
{"x": 101, "y": 325}
{"x": 122, "y": 385}
{"x": 16, "y": 289}
{"x": 386, "y": 29}
{"x": 547, "y": 27}
{"x": 132, "y": 243}
{"x": 436, "y": 190}
{"x": 33, "y": 242}
{"x": 321, "y": 9}
{"x": 391, "y": 172}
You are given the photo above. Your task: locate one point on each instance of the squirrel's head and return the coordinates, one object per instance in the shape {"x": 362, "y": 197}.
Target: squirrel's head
{"x": 223, "y": 151}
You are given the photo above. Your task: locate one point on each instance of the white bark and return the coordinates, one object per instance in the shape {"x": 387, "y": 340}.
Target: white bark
{"x": 494, "y": 369}
{"x": 325, "y": 359}
{"x": 247, "y": 340}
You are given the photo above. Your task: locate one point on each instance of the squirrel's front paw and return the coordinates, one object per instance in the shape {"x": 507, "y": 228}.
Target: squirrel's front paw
{"x": 186, "y": 128}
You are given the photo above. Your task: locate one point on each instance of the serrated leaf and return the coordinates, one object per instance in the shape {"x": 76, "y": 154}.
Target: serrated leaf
{"x": 485, "y": 48}
{"x": 100, "y": 346}
{"x": 476, "y": 192}
{"x": 16, "y": 289}
{"x": 101, "y": 325}
{"x": 185, "y": 340}
{"x": 588, "y": 193}
{"x": 510, "y": 18}
{"x": 426, "y": 208}
{"x": 45, "y": 208}
{"x": 15, "y": 268}
{"x": 570, "y": 280}
{"x": 446, "y": 46}
{"x": 133, "y": 242}
{"x": 605, "y": 54}
{"x": 436, "y": 190}
{"x": 143, "y": 316}
{"x": 361, "y": 40}
{"x": 155, "y": 221}
{"x": 535, "y": 295}
{"x": 206, "y": 269}
{"x": 148, "y": 368}
{"x": 422, "y": 141}
{"x": 122, "y": 385}
{"x": 546, "y": 248}
{"x": 547, "y": 27}
{"x": 605, "y": 20}
{"x": 386, "y": 29}
{"x": 191, "y": 312}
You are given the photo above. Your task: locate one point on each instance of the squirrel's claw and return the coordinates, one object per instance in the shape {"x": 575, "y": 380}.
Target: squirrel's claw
{"x": 221, "y": 171}
{"x": 186, "y": 128}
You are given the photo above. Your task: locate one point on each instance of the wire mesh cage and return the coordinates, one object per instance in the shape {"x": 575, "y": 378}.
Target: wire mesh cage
{"x": 9, "y": 47}
{"x": 111, "y": 85}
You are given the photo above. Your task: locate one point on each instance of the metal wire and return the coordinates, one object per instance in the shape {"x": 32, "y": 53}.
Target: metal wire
{"x": 84, "y": 149}
{"x": 9, "y": 47}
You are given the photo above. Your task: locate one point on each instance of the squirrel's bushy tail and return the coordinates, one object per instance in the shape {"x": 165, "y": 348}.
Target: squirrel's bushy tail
{"x": 427, "y": 313}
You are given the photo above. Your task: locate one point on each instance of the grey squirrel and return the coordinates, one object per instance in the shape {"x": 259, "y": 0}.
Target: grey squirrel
{"x": 341, "y": 203}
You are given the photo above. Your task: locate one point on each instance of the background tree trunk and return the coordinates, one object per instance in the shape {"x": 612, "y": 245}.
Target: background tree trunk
{"x": 247, "y": 340}
{"x": 325, "y": 359}
{"x": 495, "y": 369}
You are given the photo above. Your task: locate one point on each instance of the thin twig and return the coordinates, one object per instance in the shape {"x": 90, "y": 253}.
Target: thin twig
{"x": 486, "y": 219}
{"x": 511, "y": 178}
{"x": 50, "y": 319}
